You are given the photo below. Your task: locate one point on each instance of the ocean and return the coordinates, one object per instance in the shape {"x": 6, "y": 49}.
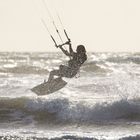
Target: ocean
{"x": 102, "y": 102}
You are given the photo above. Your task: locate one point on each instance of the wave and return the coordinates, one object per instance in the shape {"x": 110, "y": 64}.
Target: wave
{"x": 29, "y": 69}
{"x": 41, "y": 63}
{"x": 67, "y": 137}
{"x": 124, "y": 59}
{"x": 67, "y": 111}
{"x": 137, "y": 137}
{"x": 29, "y": 136}
{"x": 24, "y": 69}
{"x": 92, "y": 57}
{"x": 95, "y": 67}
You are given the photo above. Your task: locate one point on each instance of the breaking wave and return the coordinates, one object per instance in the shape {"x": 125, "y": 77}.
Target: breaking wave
{"x": 67, "y": 137}
{"x": 64, "y": 110}
{"x": 137, "y": 137}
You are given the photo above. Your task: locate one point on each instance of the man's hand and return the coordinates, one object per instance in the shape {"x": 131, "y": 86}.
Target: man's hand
{"x": 68, "y": 42}
{"x": 59, "y": 46}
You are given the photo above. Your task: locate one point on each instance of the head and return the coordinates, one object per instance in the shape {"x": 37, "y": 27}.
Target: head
{"x": 81, "y": 49}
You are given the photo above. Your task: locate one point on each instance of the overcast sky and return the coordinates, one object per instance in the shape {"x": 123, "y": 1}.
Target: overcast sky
{"x": 101, "y": 25}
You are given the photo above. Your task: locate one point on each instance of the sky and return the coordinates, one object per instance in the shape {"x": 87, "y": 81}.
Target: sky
{"x": 100, "y": 25}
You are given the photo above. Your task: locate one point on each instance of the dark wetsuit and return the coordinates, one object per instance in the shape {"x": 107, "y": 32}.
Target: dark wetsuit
{"x": 74, "y": 64}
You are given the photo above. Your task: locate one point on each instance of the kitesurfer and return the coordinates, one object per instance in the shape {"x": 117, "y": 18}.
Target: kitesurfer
{"x": 76, "y": 60}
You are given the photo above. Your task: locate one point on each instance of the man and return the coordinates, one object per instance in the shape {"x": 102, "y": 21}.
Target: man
{"x": 76, "y": 60}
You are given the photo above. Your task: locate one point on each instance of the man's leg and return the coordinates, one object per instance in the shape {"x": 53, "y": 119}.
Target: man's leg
{"x": 52, "y": 74}
{"x": 63, "y": 71}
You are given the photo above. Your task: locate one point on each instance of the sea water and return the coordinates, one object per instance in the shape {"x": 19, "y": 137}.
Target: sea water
{"x": 102, "y": 102}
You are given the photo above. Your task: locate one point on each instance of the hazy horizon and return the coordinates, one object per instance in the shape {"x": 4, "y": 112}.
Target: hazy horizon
{"x": 102, "y": 26}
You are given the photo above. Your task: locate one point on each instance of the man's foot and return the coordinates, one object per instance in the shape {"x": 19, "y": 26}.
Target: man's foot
{"x": 44, "y": 80}
{"x": 60, "y": 78}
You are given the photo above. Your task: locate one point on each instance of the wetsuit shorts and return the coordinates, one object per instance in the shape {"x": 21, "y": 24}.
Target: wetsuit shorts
{"x": 68, "y": 72}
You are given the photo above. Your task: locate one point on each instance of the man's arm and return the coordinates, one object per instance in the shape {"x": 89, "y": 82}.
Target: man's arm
{"x": 64, "y": 51}
{"x": 70, "y": 49}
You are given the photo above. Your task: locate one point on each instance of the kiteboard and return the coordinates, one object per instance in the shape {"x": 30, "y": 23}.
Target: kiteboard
{"x": 49, "y": 86}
